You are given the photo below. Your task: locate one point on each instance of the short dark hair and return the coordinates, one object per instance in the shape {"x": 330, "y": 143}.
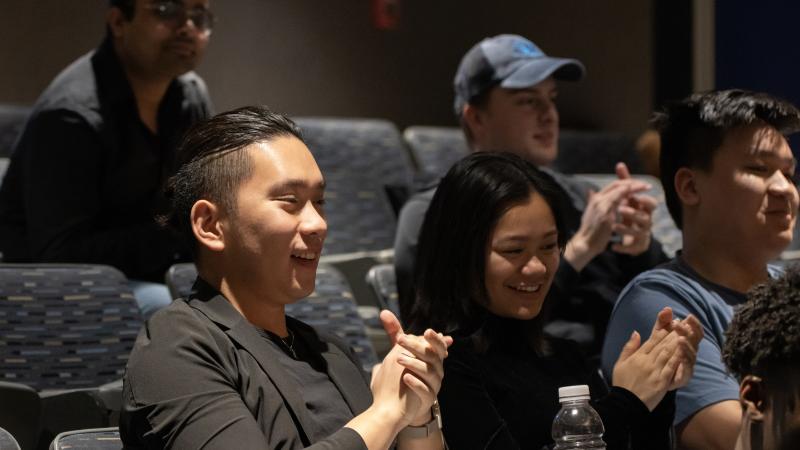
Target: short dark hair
{"x": 693, "y": 129}
{"x": 211, "y": 163}
{"x": 451, "y": 255}
{"x": 480, "y": 101}
{"x": 763, "y": 339}
{"x": 126, "y": 6}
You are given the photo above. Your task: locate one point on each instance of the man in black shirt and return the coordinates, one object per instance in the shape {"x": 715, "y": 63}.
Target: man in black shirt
{"x": 85, "y": 177}
{"x": 225, "y": 368}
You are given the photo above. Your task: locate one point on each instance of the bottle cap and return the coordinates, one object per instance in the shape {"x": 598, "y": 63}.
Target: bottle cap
{"x": 579, "y": 392}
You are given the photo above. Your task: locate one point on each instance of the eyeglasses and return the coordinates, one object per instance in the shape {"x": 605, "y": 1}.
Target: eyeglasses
{"x": 175, "y": 14}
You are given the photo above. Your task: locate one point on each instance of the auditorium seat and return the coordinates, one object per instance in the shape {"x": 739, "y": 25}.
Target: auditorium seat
{"x": 587, "y": 151}
{"x": 382, "y": 279}
{"x": 88, "y": 439}
{"x": 359, "y": 159}
{"x": 66, "y": 331}
{"x": 435, "y": 149}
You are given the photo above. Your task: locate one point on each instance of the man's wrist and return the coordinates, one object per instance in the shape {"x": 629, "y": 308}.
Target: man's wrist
{"x": 387, "y": 418}
{"x": 421, "y": 420}
{"x": 422, "y": 429}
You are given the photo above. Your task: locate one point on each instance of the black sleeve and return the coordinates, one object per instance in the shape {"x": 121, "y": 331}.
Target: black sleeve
{"x": 656, "y": 432}
{"x": 629, "y": 424}
{"x": 469, "y": 417}
{"x": 64, "y": 167}
{"x": 566, "y": 278}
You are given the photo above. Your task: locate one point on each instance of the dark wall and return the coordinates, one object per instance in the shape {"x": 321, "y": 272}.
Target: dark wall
{"x": 307, "y": 57}
{"x": 757, "y": 48}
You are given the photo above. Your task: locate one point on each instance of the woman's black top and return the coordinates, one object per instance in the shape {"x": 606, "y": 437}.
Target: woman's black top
{"x": 499, "y": 394}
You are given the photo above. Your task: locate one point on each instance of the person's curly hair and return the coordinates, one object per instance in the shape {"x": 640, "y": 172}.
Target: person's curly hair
{"x": 764, "y": 335}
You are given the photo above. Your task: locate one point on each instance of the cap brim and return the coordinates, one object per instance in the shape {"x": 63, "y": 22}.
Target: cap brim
{"x": 534, "y": 71}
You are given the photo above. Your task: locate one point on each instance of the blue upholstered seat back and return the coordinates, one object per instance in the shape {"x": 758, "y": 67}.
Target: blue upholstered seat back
{"x": 65, "y": 326}
{"x": 383, "y": 282}
{"x": 359, "y": 158}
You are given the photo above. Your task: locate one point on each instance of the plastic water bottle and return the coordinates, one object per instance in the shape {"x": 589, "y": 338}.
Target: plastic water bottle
{"x": 577, "y": 425}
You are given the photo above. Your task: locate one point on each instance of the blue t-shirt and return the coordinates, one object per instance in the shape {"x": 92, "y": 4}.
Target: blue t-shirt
{"x": 678, "y": 286}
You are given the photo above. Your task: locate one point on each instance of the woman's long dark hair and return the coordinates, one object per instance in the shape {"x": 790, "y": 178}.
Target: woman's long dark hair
{"x": 451, "y": 292}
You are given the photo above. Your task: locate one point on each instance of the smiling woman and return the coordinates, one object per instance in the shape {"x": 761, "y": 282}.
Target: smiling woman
{"x": 488, "y": 251}
{"x": 522, "y": 259}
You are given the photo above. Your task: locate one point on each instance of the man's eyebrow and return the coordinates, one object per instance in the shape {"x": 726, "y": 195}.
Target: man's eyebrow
{"x": 766, "y": 153}
{"x": 295, "y": 183}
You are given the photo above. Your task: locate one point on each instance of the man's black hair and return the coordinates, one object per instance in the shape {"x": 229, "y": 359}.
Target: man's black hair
{"x": 479, "y": 101}
{"x": 693, "y": 129}
{"x": 212, "y": 164}
{"x": 126, "y": 6}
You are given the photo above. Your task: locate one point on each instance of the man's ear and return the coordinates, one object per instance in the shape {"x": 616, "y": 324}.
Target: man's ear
{"x": 115, "y": 21}
{"x": 751, "y": 394}
{"x": 686, "y": 186}
{"x": 206, "y": 219}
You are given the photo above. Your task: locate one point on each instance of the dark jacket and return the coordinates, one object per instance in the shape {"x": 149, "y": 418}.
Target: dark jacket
{"x": 201, "y": 376}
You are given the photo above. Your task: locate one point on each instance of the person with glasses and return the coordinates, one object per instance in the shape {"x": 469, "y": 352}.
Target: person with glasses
{"x": 84, "y": 180}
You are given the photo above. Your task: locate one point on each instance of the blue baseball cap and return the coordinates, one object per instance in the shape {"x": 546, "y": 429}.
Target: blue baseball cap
{"x": 509, "y": 61}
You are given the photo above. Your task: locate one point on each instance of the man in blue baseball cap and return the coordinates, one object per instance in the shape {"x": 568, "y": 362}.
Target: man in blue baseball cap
{"x": 505, "y": 99}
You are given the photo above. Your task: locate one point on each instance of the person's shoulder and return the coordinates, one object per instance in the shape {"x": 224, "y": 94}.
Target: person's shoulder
{"x": 177, "y": 318}
{"x": 666, "y": 285}
{"x": 416, "y": 206}
{"x": 73, "y": 89}
{"x": 177, "y": 336}
{"x": 177, "y": 323}
{"x": 667, "y": 275}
